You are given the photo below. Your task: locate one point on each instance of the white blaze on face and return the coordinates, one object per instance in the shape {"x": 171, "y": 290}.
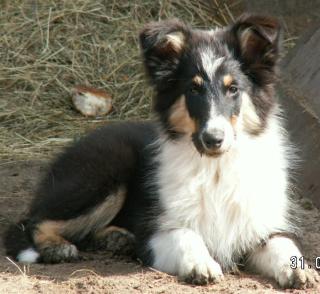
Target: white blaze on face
{"x": 219, "y": 123}
{"x": 210, "y": 62}
{"x": 216, "y": 122}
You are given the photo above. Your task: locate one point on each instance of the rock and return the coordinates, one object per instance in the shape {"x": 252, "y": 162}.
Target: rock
{"x": 90, "y": 101}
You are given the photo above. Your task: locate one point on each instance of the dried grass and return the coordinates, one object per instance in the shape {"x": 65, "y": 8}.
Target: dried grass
{"x": 48, "y": 46}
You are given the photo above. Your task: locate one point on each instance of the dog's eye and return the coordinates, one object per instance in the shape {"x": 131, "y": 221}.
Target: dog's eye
{"x": 195, "y": 89}
{"x": 233, "y": 90}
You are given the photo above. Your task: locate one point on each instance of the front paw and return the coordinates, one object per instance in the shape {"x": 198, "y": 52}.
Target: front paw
{"x": 297, "y": 278}
{"x": 202, "y": 272}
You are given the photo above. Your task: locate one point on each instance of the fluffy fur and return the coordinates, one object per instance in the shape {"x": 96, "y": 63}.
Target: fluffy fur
{"x": 204, "y": 187}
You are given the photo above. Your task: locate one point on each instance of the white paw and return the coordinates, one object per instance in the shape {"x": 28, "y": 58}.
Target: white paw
{"x": 201, "y": 271}
{"x": 182, "y": 252}
{"x": 297, "y": 278}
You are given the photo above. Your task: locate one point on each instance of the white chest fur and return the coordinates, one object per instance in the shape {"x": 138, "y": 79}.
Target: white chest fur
{"x": 232, "y": 201}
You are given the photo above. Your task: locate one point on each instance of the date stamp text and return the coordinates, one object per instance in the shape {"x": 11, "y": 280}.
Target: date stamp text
{"x": 300, "y": 263}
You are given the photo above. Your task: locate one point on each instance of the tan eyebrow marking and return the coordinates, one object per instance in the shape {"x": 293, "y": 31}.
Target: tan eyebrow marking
{"x": 197, "y": 80}
{"x": 227, "y": 80}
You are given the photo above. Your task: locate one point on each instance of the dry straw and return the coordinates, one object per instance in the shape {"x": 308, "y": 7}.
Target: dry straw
{"x": 48, "y": 46}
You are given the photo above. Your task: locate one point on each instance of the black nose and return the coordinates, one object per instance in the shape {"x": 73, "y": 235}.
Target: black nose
{"x": 212, "y": 139}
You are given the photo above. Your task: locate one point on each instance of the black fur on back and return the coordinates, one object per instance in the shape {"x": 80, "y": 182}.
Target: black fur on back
{"x": 85, "y": 174}
{"x": 91, "y": 169}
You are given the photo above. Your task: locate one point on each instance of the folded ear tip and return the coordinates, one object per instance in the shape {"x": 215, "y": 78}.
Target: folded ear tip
{"x": 155, "y": 33}
{"x": 259, "y": 43}
{"x": 267, "y": 26}
{"x": 259, "y": 20}
{"x": 162, "y": 45}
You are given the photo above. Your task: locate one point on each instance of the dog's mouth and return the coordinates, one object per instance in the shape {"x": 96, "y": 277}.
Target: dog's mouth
{"x": 213, "y": 153}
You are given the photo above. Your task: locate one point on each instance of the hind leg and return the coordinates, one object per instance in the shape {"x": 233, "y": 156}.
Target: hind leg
{"x": 114, "y": 239}
{"x": 51, "y": 237}
{"x": 53, "y": 248}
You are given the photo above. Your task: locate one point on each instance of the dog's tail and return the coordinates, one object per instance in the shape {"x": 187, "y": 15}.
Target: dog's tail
{"x": 19, "y": 245}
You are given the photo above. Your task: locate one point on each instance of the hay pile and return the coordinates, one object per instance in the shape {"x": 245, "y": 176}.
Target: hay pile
{"x": 49, "y": 46}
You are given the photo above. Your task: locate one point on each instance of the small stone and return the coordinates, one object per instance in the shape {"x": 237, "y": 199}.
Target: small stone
{"x": 91, "y": 101}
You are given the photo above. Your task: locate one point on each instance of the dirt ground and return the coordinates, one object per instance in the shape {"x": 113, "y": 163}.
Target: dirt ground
{"x": 104, "y": 273}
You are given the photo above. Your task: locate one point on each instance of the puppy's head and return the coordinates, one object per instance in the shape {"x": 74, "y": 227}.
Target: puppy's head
{"x": 212, "y": 84}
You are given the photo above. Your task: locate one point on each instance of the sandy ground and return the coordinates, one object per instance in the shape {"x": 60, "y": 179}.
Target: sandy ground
{"x": 104, "y": 273}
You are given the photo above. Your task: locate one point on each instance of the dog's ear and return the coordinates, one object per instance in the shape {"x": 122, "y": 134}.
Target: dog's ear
{"x": 162, "y": 44}
{"x": 258, "y": 45}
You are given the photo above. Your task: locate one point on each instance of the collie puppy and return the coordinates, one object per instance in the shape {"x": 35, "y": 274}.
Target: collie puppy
{"x": 204, "y": 187}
